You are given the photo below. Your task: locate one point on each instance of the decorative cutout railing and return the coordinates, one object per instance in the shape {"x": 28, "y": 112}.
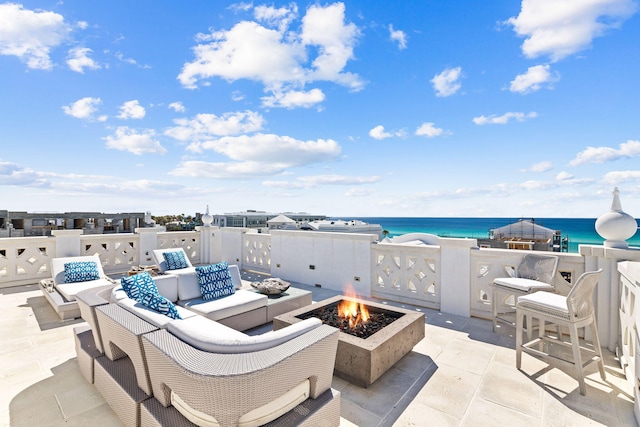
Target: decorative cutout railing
{"x": 256, "y": 252}
{"x": 25, "y": 260}
{"x": 118, "y": 252}
{"x": 407, "y": 273}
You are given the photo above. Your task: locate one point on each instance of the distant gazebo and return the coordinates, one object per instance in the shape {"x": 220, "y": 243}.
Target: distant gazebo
{"x": 523, "y": 234}
{"x": 282, "y": 222}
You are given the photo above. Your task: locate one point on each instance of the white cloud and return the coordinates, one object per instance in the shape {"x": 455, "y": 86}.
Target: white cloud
{"x": 280, "y": 18}
{"x": 319, "y": 180}
{"x": 177, "y": 107}
{"x": 12, "y": 174}
{"x": 532, "y": 80}
{"x": 606, "y": 154}
{"x": 127, "y": 139}
{"x": 379, "y": 133}
{"x": 539, "y": 167}
{"x": 564, "y": 176}
{"x": 294, "y": 99}
{"x": 358, "y": 192}
{"x": 278, "y": 58}
{"x": 82, "y": 108}
{"x": 561, "y": 28}
{"x": 207, "y": 126}
{"x": 503, "y": 119}
{"x": 78, "y": 59}
{"x": 447, "y": 82}
{"x": 259, "y": 155}
{"x": 429, "y": 130}
{"x": 120, "y": 56}
{"x": 277, "y": 149}
{"x": 398, "y": 36}
{"x": 31, "y": 35}
{"x": 618, "y": 177}
{"x": 131, "y": 110}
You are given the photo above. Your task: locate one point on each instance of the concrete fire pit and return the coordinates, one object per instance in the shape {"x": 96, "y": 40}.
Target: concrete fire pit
{"x": 362, "y": 361}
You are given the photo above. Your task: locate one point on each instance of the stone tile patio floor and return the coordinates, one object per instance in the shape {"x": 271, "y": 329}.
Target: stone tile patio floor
{"x": 461, "y": 374}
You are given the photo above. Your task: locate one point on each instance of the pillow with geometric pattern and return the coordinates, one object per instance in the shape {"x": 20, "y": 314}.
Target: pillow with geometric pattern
{"x": 138, "y": 284}
{"x": 215, "y": 281}
{"x": 160, "y": 304}
{"x": 80, "y": 271}
{"x": 175, "y": 260}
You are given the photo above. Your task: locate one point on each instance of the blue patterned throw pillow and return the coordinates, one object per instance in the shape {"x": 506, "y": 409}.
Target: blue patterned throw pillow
{"x": 215, "y": 281}
{"x": 80, "y": 271}
{"x": 160, "y": 304}
{"x": 175, "y": 260}
{"x": 137, "y": 285}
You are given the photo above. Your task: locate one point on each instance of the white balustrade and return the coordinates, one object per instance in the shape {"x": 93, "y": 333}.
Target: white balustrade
{"x": 118, "y": 252}
{"x": 256, "y": 251}
{"x": 408, "y": 274}
{"x": 25, "y": 260}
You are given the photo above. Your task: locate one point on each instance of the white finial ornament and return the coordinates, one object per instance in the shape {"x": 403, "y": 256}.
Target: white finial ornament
{"x": 207, "y": 219}
{"x": 616, "y": 226}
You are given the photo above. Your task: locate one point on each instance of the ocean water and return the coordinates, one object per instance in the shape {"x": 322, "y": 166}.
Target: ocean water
{"x": 577, "y": 230}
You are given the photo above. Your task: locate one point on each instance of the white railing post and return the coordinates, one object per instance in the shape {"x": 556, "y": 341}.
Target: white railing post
{"x": 209, "y": 244}
{"x": 607, "y": 295}
{"x": 455, "y": 275}
{"x": 67, "y": 242}
{"x": 148, "y": 242}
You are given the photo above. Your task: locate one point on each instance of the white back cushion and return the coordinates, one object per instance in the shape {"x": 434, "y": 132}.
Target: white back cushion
{"x": 57, "y": 266}
{"x": 209, "y": 339}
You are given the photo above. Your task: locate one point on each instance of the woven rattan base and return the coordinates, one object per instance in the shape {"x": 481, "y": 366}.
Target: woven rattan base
{"x": 116, "y": 382}
{"x": 86, "y": 351}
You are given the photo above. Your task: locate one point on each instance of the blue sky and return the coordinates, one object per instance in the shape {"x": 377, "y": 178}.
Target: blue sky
{"x": 355, "y": 108}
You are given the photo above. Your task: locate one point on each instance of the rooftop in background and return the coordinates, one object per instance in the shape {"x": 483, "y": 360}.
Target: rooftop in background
{"x": 24, "y": 224}
{"x": 258, "y": 219}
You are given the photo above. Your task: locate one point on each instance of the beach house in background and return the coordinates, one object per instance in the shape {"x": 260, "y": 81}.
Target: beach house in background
{"x": 25, "y": 224}
{"x": 259, "y": 219}
{"x": 526, "y": 234}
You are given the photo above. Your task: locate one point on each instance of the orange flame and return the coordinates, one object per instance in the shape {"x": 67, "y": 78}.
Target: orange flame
{"x": 355, "y": 312}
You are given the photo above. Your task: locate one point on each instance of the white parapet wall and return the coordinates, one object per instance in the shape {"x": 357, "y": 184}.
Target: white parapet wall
{"x": 330, "y": 260}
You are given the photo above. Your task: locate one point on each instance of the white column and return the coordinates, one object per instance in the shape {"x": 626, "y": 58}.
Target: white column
{"x": 148, "y": 242}
{"x": 607, "y": 293}
{"x": 67, "y": 242}
{"x": 210, "y": 240}
{"x": 455, "y": 275}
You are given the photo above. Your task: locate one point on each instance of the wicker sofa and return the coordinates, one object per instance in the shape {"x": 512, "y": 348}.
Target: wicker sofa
{"x": 154, "y": 370}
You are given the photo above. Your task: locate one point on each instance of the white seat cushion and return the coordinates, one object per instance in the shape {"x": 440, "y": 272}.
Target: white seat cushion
{"x": 522, "y": 285}
{"x": 240, "y": 302}
{"x": 198, "y": 331}
{"x": 69, "y": 290}
{"x": 545, "y": 299}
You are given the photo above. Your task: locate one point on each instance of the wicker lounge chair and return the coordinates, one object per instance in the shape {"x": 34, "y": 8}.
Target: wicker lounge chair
{"x": 61, "y": 294}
